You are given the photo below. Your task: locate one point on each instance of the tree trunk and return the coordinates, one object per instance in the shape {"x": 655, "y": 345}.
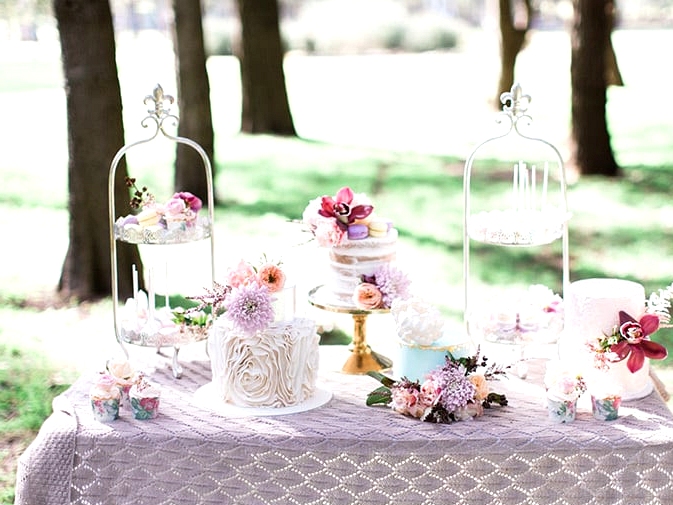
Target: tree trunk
{"x": 592, "y": 24}
{"x": 193, "y": 97}
{"x": 514, "y": 25}
{"x": 265, "y": 107}
{"x": 95, "y": 134}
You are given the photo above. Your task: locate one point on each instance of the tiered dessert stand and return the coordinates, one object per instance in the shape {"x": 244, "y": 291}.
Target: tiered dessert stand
{"x": 362, "y": 358}
{"x": 533, "y": 214}
{"x": 147, "y": 332}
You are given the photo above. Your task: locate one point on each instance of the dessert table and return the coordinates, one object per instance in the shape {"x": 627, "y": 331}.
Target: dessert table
{"x": 345, "y": 452}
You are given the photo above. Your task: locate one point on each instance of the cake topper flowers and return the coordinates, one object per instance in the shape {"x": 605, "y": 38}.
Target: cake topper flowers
{"x": 453, "y": 392}
{"x": 328, "y": 218}
{"x": 247, "y": 297}
{"x": 630, "y": 339}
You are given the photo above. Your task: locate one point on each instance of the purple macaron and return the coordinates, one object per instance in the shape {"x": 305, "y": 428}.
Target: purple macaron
{"x": 357, "y": 231}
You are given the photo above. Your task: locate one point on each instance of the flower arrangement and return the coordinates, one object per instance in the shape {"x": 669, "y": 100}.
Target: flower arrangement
{"x": 328, "y": 217}
{"x": 382, "y": 288}
{"x": 453, "y": 392}
{"x": 246, "y": 299}
{"x": 629, "y": 339}
{"x": 181, "y": 209}
{"x": 562, "y": 383}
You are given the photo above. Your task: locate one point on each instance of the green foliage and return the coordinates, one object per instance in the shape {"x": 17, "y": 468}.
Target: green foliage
{"x": 27, "y": 387}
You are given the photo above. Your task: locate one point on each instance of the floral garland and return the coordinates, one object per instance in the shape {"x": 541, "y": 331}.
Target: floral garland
{"x": 452, "y": 392}
{"x": 246, "y": 299}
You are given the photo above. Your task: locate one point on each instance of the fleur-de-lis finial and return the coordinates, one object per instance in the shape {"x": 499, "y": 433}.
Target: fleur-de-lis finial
{"x": 514, "y": 102}
{"x": 159, "y": 98}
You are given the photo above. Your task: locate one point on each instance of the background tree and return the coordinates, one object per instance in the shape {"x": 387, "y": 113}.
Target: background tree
{"x": 95, "y": 134}
{"x": 265, "y": 107}
{"x": 193, "y": 96}
{"x": 515, "y": 17}
{"x": 591, "y": 69}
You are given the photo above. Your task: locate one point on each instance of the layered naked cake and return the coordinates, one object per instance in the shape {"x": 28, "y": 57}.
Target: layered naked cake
{"x": 360, "y": 246}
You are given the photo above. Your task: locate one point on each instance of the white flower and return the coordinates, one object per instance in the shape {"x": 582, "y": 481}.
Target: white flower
{"x": 417, "y": 321}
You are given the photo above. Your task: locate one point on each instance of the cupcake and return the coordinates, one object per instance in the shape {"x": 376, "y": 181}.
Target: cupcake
{"x": 124, "y": 376}
{"x": 105, "y": 397}
{"x": 144, "y": 399}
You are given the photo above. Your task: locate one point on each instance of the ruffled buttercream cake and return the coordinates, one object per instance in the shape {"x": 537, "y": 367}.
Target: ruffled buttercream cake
{"x": 275, "y": 367}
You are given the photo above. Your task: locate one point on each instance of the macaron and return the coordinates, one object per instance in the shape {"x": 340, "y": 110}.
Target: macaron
{"x": 357, "y": 231}
{"x": 148, "y": 217}
{"x": 378, "y": 228}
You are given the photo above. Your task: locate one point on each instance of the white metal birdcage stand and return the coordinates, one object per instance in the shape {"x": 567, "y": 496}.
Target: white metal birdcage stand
{"x": 149, "y": 334}
{"x": 533, "y": 214}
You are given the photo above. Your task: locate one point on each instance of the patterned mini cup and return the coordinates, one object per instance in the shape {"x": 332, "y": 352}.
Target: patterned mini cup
{"x": 145, "y": 407}
{"x": 105, "y": 410}
{"x": 605, "y": 409}
{"x": 562, "y": 411}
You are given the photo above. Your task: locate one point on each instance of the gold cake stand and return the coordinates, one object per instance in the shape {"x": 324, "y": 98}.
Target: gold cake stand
{"x": 362, "y": 359}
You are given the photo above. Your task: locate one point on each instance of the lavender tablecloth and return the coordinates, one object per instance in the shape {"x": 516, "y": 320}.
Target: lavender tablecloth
{"x": 345, "y": 452}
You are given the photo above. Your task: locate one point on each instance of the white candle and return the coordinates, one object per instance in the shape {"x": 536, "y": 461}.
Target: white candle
{"x": 545, "y": 178}
{"x": 134, "y": 274}
{"x": 168, "y": 305}
{"x": 515, "y": 187}
{"x": 150, "y": 293}
{"x": 532, "y": 188}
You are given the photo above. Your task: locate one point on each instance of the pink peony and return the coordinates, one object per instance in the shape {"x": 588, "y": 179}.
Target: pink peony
{"x": 192, "y": 201}
{"x": 328, "y": 233}
{"x": 242, "y": 275}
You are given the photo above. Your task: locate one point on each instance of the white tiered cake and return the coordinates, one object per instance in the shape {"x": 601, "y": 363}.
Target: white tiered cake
{"x": 592, "y": 310}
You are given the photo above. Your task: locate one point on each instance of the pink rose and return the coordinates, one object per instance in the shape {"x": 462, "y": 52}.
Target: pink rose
{"x": 406, "y": 401}
{"x": 430, "y": 391}
{"x": 367, "y": 296}
{"x": 272, "y": 277}
{"x": 192, "y": 201}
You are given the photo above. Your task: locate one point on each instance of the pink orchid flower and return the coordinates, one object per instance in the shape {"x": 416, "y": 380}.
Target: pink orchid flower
{"x": 634, "y": 341}
{"x": 340, "y": 208}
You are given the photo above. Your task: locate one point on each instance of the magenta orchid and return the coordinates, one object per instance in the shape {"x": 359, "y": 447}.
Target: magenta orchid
{"x": 634, "y": 343}
{"x": 340, "y": 208}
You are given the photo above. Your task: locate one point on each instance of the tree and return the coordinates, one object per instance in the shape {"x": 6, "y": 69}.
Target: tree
{"x": 194, "y": 97}
{"x": 95, "y": 134}
{"x": 265, "y": 107}
{"x": 515, "y": 18}
{"x": 591, "y": 69}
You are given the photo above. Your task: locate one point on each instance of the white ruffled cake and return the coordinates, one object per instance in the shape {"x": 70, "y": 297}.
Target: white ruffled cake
{"x": 275, "y": 367}
{"x": 592, "y": 310}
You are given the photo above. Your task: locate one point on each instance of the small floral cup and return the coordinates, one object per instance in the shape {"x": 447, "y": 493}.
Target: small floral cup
{"x": 105, "y": 410}
{"x": 605, "y": 409}
{"x": 561, "y": 411}
{"x": 144, "y": 398}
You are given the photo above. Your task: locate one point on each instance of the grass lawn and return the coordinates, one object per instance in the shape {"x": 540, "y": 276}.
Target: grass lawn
{"x": 396, "y": 127}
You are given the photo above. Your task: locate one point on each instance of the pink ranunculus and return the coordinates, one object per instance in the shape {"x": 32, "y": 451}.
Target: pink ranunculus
{"x": 191, "y": 201}
{"x": 242, "y": 275}
{"x": 272, "y": 277}
{"x": 367, "y": 296}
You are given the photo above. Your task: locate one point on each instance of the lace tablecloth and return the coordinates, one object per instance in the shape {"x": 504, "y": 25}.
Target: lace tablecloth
{"x": 345, "y": 452}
